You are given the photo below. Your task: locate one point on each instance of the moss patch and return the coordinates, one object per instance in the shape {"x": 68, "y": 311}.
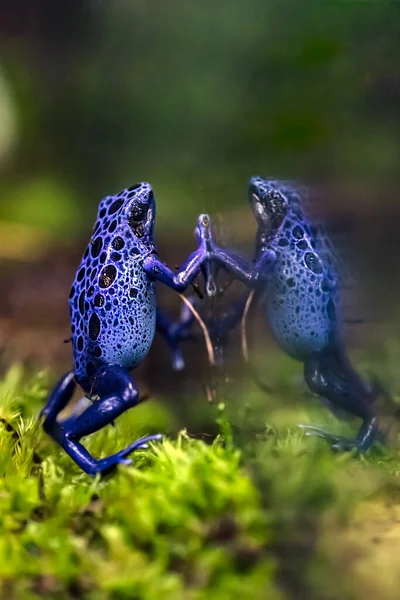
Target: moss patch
{"x": 268, "y": 515}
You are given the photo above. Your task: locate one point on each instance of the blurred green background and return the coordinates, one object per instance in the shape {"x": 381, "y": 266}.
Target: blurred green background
{"x": 194, "y": 97}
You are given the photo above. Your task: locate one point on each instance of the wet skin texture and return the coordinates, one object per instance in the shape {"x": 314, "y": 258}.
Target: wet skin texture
{"x": 293, "y": 275}
{"x": 113, "y": 320}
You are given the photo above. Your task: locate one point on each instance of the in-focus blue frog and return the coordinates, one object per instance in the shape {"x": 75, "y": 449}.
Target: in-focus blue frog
{"x": 113, "y": 320}
{"x": 293, "y": 273}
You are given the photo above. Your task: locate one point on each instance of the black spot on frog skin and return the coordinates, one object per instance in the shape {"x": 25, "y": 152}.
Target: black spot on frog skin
{"x": 134, "y": 187}
{"x": 113, "y": 226}
{"x": 82, "y": 303}
{"x": 90, "y": 369}
{"x": 313, "y": 263}
{"x": 298, "y": 232}
{"x": 302, "y": 245}
{"x": 102, "y": 213}
{"x": 118, "y": 243}
{"x": 72, "y": 292}
{"x": 103, "y": 257}
{"x": 86, "y": 252}
{"x": 97, "y": 245}
{"x": 81, "y": 274}
{"x": 90, "y": 291}
{"x": 283, "y": 242}
{"x": 291, "y": 282}
{"x": 116, "y": 256}
{"x": 133, "y": 292}
{"x": 94, "y": 327}
{"x": 331, "y": 310}
{"x": 79, "y": 343}
{"x": 325, "y": 286}
{"x": 97, "y": 351}
{"x": 96, "y": 227}
{"x": 115, "y": 206}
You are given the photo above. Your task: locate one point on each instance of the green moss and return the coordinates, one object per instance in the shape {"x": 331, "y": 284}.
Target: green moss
{"x": 254, "y": 515}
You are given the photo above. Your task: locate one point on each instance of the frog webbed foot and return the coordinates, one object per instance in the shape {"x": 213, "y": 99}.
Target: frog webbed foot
{"x": 365, "y": 438}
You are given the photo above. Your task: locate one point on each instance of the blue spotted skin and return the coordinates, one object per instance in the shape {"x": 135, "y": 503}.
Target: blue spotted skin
{"x": 300, "y": 288}
{"x": 293, "y": 273}
{"x": 112, "y": 301}
{"x": 113, "y": 320}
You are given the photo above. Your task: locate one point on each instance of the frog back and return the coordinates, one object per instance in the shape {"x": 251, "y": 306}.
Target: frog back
{"x": 112, "y": 304}
{"x": 300, "y": 292}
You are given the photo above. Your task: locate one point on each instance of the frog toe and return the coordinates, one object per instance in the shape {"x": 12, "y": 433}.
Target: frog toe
{"x": 313, "y": 431}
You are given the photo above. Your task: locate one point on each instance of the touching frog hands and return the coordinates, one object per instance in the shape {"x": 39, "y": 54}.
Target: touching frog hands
{"x": 293, "y": 274}
{"x": 113, "y": 320}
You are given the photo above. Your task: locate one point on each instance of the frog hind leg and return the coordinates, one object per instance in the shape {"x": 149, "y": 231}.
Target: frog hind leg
{"x": 329, "y": 374}
{"x": 117, "y": 393}
{"x": 59, "y": 398}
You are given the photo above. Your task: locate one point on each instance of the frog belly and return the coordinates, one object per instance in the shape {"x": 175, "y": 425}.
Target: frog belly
{"x": 129, "y": 339}
{"x": 299, "y": 327}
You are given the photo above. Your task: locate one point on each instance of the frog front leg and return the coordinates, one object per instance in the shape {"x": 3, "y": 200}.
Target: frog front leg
{"x": 190, "y": 269}
{"x": 117, "y": 393}
{"x": 173, "y": 332}
{"x": 329, "y": 374}
{"x": 240, "y": 268}
{"x": 249, "y": 273}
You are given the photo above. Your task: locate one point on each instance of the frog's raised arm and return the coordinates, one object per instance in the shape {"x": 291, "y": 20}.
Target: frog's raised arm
{"x": 189, "y": 270}
{"x": 240, "y": 268}
{"x": 236, "y": 265}
{"x": 179, "y": 280}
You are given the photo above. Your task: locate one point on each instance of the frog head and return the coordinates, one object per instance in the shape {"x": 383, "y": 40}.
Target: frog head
{"x": 268, "y": 202}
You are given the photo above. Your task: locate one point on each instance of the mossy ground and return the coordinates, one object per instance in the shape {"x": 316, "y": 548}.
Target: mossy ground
{"x": 261, "y": 512}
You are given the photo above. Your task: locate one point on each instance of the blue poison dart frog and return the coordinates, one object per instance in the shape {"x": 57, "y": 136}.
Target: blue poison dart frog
{"x": 113, "y": 320}
{"x": 294, "y": 275}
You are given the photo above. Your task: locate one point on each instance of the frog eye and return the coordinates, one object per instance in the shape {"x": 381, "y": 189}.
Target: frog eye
{"x": 276, "y": 207}
{"x": 137, "y": 216}
{"x": 138, "y": 213}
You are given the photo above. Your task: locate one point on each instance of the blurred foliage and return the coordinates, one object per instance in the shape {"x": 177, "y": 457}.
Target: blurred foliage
{"x": 268, "y": 515}
{"x": 194, "y": 97}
